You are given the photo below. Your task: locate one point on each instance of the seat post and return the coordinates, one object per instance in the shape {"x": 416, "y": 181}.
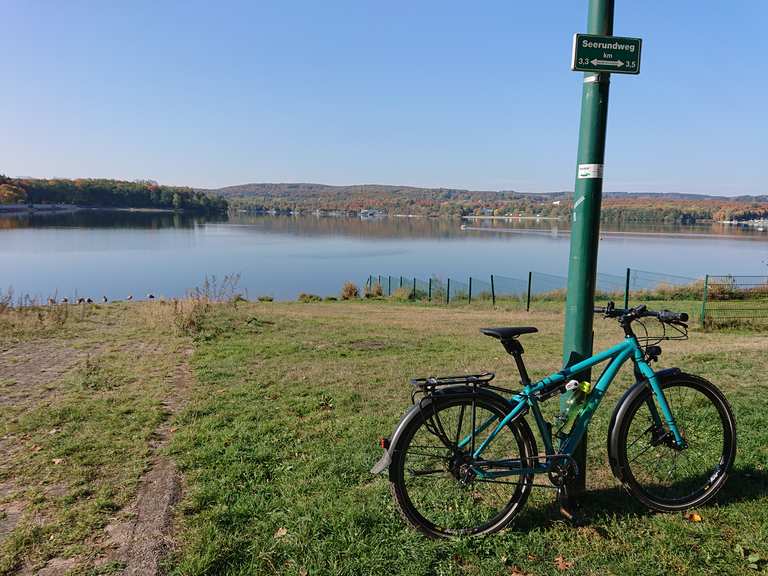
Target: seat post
{"x": 514, "y": 348}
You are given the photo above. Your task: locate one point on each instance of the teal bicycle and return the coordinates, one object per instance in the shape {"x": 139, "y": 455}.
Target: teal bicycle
{"x": 463, "y": 459}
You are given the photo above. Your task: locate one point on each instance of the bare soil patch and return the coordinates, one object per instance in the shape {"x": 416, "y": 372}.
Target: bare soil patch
{"x": 142, "y": 534}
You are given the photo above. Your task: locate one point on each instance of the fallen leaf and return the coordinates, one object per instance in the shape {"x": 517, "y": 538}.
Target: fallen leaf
{"x": 36, "y": 448}
{"x": 281, "y": 532}
{"x": 54, "y": 431}
{"x": 692, "y": 517}
{"x": 515, "y": 571}
{"x": 532, "y": 557}
{"x": 303, "y": 571}
{"x": 58, "y": 460}
{"x": 563, "y": 564}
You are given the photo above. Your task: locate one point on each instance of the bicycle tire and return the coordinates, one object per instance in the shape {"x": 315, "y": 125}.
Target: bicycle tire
{"x": 666, "y": 488}
{"x": 403, "y": 492}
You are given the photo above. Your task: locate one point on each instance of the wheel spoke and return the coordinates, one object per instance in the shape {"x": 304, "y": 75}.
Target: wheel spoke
{"x": 663, "y": 473}
{"x": 443, "y": 490}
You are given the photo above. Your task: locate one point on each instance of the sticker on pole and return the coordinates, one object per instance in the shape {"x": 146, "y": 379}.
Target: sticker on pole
{"x": 592, "y": 53}
{"x": 590, "y": 171}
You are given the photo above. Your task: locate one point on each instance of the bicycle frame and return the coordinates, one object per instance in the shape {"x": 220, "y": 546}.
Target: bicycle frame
{"x": 526, "y": 400}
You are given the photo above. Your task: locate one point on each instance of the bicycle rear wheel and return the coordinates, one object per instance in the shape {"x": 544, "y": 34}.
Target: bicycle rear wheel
{"x": 658, "y": 473}
{"x": 432, "y": 482}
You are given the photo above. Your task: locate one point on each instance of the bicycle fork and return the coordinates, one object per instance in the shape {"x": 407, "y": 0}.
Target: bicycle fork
{"x": 643, "y": 372}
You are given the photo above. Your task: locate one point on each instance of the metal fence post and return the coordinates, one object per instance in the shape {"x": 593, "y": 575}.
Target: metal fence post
{"x": 401, "y": 282}
{"x": 528, "y": 300}
{"x": 389, "y": 285}
{"x": 493, "y": 292}
{"x": 414, "y": 287}
{"x": 704, "y": 300}
{"x": 448, "y": 292}
{"x": 470, "y": 290}
{"x": 429, "y": 290}
{"x": 626, "y": 289}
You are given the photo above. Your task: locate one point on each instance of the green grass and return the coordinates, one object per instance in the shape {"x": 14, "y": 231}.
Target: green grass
{"x": 74, "y": 450}
{"x": 291, "y": 398}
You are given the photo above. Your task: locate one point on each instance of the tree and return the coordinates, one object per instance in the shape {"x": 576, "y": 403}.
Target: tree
{"x": 11, "y": 194}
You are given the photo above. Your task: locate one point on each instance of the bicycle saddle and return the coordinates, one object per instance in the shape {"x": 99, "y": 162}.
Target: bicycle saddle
{"x": 508, "y": 333}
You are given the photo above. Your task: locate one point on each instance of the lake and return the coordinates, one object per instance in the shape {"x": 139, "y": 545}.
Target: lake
{"x": 114, "y": 254}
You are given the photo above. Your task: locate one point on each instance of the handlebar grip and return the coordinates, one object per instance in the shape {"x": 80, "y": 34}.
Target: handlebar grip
{"x": 669, "y": 316}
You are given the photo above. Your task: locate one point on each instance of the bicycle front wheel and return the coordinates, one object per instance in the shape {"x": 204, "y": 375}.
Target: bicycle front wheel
{"x": 432, "y": 471}
{"x": 662, "y": 475}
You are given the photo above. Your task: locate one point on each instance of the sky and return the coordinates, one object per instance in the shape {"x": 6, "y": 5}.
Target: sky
{"x": 475, "y": 95}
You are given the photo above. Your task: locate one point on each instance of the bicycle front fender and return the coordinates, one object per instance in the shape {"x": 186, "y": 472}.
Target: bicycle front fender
{"x": 620, "y": 412}
{"x": 393, "y": 443}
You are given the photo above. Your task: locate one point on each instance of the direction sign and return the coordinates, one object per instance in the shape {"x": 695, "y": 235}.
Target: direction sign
{"x": 593, "y": 53}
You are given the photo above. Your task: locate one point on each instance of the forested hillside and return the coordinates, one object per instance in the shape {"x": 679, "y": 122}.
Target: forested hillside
{"x": 617, "y": 206}
{"x": 107, "y": 194}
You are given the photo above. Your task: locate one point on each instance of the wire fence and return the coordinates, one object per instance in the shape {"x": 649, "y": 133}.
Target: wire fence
{"x": 724, "y": 299}
{"x": 730, "y": 299}
{"x": 534, "y": 287}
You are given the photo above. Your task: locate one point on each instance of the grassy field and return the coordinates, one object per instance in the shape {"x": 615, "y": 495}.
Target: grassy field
{"x": 279, "y": 428}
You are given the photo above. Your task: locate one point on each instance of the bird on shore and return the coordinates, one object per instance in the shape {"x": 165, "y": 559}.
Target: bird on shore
{"x": 81, "y": 300}
{"x": 65, "y": 300}
{"x": 104, "y": 299}
{"x": 51, "y": 301}
{"x": 150, "y": 296}
{"x": 89, "y": 301}
{"x": 130, "y": 297}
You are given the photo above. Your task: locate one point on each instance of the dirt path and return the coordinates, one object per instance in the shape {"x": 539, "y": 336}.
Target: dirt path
{"x": 142, "y": 535}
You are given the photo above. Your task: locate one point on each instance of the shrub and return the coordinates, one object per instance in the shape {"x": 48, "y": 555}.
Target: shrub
{"x": 402, "y": 294}
{"x": 330, "y": 299}
{"x": 265, "y": 299}
{"x": 374, "y": 291}
{"x": 305, "y": 298}
{"x": 349, "y": 291}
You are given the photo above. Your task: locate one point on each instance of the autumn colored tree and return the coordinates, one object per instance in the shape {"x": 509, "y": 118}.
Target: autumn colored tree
{"x": 12, "y": 194}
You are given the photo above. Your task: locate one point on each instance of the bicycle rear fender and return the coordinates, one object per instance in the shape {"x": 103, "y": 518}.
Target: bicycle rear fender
{"x": 416, "y": 409}
{"x": 619, "y": 413}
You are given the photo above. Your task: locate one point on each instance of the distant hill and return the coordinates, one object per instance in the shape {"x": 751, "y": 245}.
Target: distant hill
{"x": 617, "y": 206}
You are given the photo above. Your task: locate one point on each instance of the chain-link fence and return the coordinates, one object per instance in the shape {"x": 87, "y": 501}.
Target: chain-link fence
{"x": 730, "y": 299}
{"x": 633, "y": 286}
{"x": 644, "y": 285}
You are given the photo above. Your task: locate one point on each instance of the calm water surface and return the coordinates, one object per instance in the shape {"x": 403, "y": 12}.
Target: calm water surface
{"x": 115, "y": 254}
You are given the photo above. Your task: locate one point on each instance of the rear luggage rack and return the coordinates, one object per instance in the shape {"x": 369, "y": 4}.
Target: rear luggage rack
{"x": 432, "y": 382}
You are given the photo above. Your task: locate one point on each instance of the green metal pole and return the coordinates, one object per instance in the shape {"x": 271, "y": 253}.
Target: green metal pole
{"x": 626, "y": 289}
{"x": 528, "y": 299}
{"x": 414, "y": 289}
{"x": 448, "y": 292}
{"x": 389, "y": 285}
{"x": 493, "y": 292}
{"x": 704, "y": 300}
{"x": 429, "y": 290}
{"x": 585, "y": 228}
{"x": 470, "y": 290}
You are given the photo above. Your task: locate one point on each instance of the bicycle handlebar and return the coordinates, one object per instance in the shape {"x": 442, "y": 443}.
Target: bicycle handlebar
{"x": 630, "y": 314}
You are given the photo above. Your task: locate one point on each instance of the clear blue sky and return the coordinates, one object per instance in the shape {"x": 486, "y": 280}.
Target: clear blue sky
{"x": 476, "y": 95}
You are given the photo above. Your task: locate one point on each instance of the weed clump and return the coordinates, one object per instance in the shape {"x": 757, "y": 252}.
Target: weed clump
{"x": 307, "y": 298}
{"x": 402, "y": 294}
{"x": 374, "y": 291}
{"x": 265, "y": 299}
{"x": 350, "y": 291}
